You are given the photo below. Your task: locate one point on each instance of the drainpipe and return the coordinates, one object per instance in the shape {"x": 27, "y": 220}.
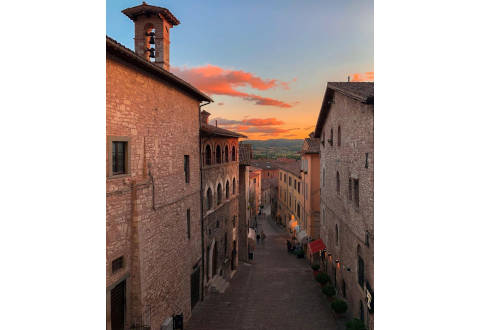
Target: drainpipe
{"x": 201, "y": 199}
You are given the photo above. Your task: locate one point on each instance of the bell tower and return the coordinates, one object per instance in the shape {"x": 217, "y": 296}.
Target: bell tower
{"x": 152, "y": 32}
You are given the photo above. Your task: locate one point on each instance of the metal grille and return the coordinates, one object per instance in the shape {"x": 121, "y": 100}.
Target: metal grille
{"x": 119, "y": 150}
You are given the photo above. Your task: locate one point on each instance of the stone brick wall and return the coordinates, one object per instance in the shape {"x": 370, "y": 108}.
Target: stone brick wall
{"x": 356, "y": 122}
{"x": 146, "y": 208}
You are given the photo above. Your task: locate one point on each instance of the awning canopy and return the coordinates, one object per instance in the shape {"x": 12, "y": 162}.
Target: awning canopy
{"x": 316, "y": 246}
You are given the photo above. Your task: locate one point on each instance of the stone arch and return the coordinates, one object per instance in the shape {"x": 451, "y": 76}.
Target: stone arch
{"x": 226, "y": 151}
{"x": 208, "y": 154}
{"x": 227, "y": 189}
{"x": 234, "y": 155}
{"x": 218, "y": 154}
{"x": 219, "y": 191}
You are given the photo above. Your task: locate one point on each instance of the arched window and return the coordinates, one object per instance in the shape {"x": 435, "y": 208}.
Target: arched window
{"x": 209, "y": 199}
{"x": 234, "y": 157}
{"x": 338, "y": 183}
{"x": 219, "y": 192}
{"x": 339, "y": 137}
{"x": 331, "y": 137}
{"x": 226, "y": 154}
{"x": 218, "y": 155}
{"x": 227, "y": 190}
{"x": 208, "y": 155}
{"x": 298, "y": 210}
{"x": 336, "y": 235}
{"x": 233, "y": 190}
{"x": 360, "y": 267}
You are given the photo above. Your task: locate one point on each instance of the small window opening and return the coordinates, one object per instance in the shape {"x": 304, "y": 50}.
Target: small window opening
{"x": 117, "y": 264}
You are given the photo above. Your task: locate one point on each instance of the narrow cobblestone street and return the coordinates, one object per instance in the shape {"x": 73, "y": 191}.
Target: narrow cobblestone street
{"x": 277, "y": 291}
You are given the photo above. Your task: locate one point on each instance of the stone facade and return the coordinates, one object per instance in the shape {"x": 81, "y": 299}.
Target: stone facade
{"x": 243, "y": 198}
{"x": 291, "y": 197}
{"x": 153, "y": 213}
{"x": 220, "y": 192}
{"x": 255, "y": 193}
{"x": 346, "y": 201}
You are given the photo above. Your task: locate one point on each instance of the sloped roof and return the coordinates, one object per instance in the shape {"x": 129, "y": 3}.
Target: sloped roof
{"x": 130, "y": 56}
{"x": 145, "y": 9}
{"x": 360, "y": 91}
{"x": 311, "y": 146}
{"x": 292, "y": 167}
{"x": 209, "y": 130}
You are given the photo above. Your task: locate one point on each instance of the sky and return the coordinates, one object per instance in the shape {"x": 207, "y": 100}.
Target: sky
{"x": 265, "y": 63}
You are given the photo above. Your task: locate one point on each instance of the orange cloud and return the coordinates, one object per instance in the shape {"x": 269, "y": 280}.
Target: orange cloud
{"x": 215, "y": 80}
{"x": 249, "y": 122}
{"x": 366, "y": 76}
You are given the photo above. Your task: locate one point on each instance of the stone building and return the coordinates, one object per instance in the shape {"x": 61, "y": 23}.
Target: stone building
{"x": 255, "y": 193}
{"x": 220, "y": 192}
{"x": 345, "y": 130}
{"x": 245, "y": 156}
{"x": 291, "y": 199}
{"x": 311, "y": 190}
{"x": 269, "y": 184}
{"x": 153, "y": 201}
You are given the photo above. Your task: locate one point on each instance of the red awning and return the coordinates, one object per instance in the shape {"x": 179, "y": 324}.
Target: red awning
{"x": 316, "y": 246}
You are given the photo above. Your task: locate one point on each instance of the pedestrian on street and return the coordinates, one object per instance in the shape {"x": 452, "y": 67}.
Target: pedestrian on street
{"x": 262, "y": 236}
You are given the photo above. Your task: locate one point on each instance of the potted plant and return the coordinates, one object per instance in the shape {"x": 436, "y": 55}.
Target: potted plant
{"x": 329, "y": 291}
{"x": 339, "y": 306}
{"x": 322, "y": 278}
{"x": 315, "y": 268}
{"x": 356, "y": 324}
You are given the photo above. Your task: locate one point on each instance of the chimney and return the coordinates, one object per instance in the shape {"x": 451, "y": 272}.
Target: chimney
{"x": 204, "y": 117}
{"x": 152, "y": 32}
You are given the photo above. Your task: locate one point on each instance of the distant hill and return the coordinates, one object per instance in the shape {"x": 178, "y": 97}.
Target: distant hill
{"x": 276, "y": 148}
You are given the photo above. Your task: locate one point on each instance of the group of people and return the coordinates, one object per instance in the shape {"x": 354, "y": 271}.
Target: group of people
{"x": 292, "y": 245}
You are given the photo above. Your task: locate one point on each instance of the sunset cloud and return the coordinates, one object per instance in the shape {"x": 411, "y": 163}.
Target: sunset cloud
{"x": 358, "y": 77}
{"x": 249, "y": 122}
{"x": 215, "y": 80}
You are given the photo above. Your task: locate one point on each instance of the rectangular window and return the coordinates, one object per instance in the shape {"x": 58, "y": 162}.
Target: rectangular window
{"x": 119, "y": 157}
{"x": 356, "y": 192}
{"x": 188, "y": 223}
{"x": 366, "y": 160}
{"x": 254, "y": 180}
{"x": 186, "y": 168}
{"x": 117, "y": 264}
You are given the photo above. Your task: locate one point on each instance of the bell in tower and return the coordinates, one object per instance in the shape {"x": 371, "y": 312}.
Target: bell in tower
{"x": 152, "y": 26}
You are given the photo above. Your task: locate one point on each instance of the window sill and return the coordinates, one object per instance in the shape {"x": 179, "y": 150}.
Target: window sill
{"x": 118, "y": 176}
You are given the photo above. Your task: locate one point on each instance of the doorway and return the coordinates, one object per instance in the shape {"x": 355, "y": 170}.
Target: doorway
{"x": 195, "y": 287}
{"x": 118, "y": 306}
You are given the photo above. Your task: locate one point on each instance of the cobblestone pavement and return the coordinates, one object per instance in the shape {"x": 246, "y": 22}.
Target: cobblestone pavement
{"x": 277, "y": 291}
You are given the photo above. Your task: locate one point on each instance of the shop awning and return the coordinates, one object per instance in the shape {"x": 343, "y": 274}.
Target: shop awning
{"x": 316, "y": 246}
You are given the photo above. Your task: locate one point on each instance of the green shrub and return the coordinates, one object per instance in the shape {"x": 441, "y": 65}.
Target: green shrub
{"x": 329, "y": 290}
{"x": 339, "y": 306}
{"x": 322, "y": 278}
{"x": 356, "y": 324}
{"x": 315, "y": 267}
